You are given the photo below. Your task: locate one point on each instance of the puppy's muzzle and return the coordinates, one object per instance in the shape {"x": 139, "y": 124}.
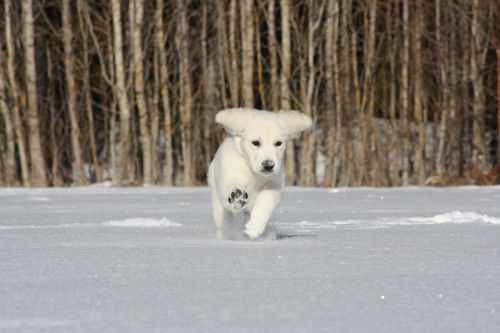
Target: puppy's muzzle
{"x": 268, "y": 165}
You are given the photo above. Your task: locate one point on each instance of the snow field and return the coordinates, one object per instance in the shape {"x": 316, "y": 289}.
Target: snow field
{"x": 347, "y": 260}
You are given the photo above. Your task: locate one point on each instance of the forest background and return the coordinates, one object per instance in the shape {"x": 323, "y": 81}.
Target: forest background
{"x": 401, "y": 92}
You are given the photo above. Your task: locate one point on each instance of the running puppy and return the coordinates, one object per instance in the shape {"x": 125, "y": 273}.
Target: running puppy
{"x": 247, "y": 172}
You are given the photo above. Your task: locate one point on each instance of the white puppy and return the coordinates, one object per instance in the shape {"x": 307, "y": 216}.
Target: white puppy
{"x": 246, "y": 174}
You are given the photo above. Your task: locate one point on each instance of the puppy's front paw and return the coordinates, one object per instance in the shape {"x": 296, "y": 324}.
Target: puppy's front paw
{"x": 238, "y": 198}
{"x": 254, "y": 230}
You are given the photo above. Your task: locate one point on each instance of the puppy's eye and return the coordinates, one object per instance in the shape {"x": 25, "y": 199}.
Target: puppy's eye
{"x": 256, "y": 143}
{"x": 278, "y": 143}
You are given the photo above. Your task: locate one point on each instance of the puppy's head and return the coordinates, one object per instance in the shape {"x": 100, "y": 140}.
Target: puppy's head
{"x": 262, "y": 135}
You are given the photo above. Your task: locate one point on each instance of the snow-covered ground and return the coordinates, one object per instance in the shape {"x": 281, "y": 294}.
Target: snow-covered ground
{"x": 347, "y": 260}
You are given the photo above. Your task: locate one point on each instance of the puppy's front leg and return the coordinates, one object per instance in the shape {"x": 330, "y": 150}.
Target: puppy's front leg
{"x": 265, "y": 204}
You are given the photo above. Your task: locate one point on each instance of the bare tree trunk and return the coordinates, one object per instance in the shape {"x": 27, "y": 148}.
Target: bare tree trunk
{"x": 260, "y": 71}
{"x": 495, "y": 32}
{"x": 479, "y": 153}
{"x": 286, "y": 63}
{"x": 405, "y": 105}
{"x": 121, "y": 94}
{"x": 358, "y": 169}
{"x": 368, "y": 124}
{"x": 10, "y": 157}
{"x": 168, "y": 168}
{"x": 208, "y": 86}
{"x": 88, "y": 97}
{"x": 14, "y": 92}
{"x": 443, "y": 128}
{"x": 153, "y": 93}
{"x": 145, "y": 135}
{"x": 395, "y": 146}
{"x": 273, "y": 57}
{"x": 331, "y": 42}
{"x": 339, "y": 92}
{"x": 344, "y": 133}
{"x": 135, "y": 174}
{"x": 54, "y": 141}
{"x": 420, "y": 108}
{"x": 454, "y": 144}
{"x": 209, "y": 112}
{"x": 223, "y": 55}
{"x": 186, "y": 102}
{"x": 465, "y": 96}
{"x": 79, "y": 177}
{"x": 307, "y": 174}
{"x": 247, "y": 56}
{"x": 38, "y": 173}
{"x": 234, "y": 77}
{"x": 114, "y": 170}
{"x": 497, "y": 52}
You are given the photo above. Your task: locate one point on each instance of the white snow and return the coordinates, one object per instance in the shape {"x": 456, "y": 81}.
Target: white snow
{"x": 138, "y": 222}
{"x": 142, "y": 222}
{"x": 104, "y": 259}
{"x": 451, "y": 217}
{"x": 39, "y": 198}
{"x": 456, "y": 217}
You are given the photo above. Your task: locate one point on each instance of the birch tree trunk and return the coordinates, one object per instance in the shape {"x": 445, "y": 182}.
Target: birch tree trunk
{"x": 497, "y": 52}
{"x": 444, "y": 105}
{"x": 405, "y": 82}
{"x": 233, "y": 48}
{"x": 307, "y": 174}
{"x": 153, "y": 99}
{"x": 38, "y": 173}
{"x": 341, "y": 83}
{"x": 260, "y": 71}
{"x": 9, "y": 155}
{"x": 54, "y": 136}
{"x": 345, "y": 115}
{"x": 479, "y": 153}
{"x": 14, "y": 93}
{"x": 358, "y": 169}
{"x": 121, "y": 93}
{"x": 79, "y": 177}
{"x": 331, "y": 25}
{"x": 88, "y": 95}
{"x": 465, "y": 94}
{"x": 286, "y": 63}
{"x": 145, "y": 135}
{"x": 168, "y": 167}
{"x": 273, "y": 57}
{"x": 454, "y": 124}
{"x": 419, "y": 102}
{"x": 208, "y": 85}
{"x": 370, "y": 126}
{"x": 223, "y": 55}
{"x": 395, "y": 146}
{"x": 495, "y": 31}
{"x": 186, "y": 99}
{"x": 247, "y": 56}
{"x": 113, "y": 158}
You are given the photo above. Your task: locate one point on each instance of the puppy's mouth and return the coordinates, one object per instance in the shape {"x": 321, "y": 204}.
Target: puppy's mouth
{"x": 266, "y": 173}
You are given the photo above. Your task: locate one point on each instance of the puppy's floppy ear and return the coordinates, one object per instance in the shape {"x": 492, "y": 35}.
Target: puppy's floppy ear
{"x": 233, "y": 120}
{"x": 296, "y": 122}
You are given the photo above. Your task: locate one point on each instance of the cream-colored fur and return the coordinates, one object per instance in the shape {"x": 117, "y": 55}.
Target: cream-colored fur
{"x": 247, "y": 172}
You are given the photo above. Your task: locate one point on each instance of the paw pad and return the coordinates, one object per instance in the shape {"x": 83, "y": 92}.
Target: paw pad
{"x": 238, "y": 198}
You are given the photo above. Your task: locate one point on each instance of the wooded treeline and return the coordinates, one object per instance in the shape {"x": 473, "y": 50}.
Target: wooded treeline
{"x": 402, "y": 92}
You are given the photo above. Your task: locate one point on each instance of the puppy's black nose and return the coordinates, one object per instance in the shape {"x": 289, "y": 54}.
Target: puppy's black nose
{"x": 268, "y": 165}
